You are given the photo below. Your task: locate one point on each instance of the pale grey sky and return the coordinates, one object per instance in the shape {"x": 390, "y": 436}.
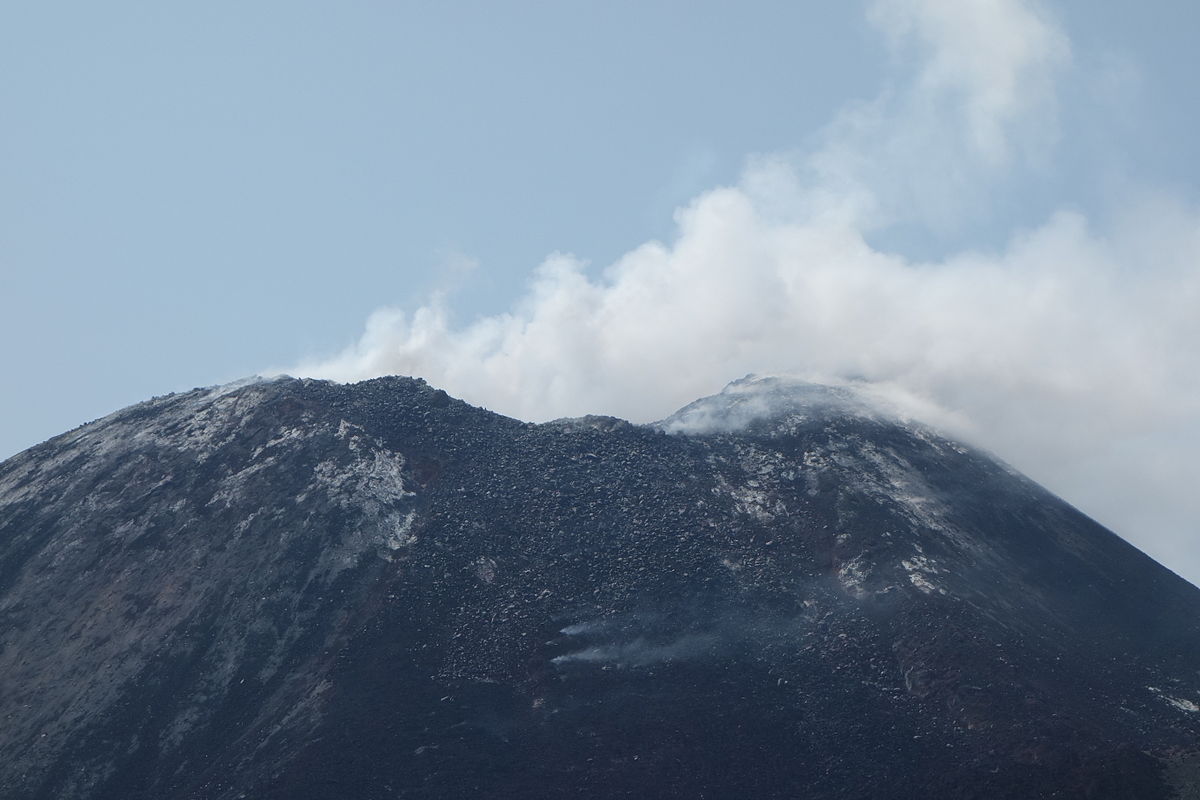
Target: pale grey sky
{"x": 990, "y": 205}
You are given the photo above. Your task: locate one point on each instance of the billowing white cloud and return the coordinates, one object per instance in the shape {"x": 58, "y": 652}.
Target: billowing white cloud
{"x": 1070, "y": 351}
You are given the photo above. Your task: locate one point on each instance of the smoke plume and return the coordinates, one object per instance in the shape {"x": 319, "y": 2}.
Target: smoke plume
{"x": 1070, "y": 350}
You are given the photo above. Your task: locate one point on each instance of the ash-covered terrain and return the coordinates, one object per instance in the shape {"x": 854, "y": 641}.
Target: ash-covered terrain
{"x": 296, "y": 590}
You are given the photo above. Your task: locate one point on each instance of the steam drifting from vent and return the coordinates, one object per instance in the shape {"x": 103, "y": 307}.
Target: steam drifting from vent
{"x": 1071, "y": 351}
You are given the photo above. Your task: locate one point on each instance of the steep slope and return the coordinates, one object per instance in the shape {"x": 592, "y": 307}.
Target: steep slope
{"x": 296, "y": 589}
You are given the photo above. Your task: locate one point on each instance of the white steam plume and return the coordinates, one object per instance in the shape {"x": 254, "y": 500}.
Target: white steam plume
{"x": 1072, "y": 351}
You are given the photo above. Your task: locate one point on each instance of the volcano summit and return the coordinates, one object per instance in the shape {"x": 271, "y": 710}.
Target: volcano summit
{"x": 299, "y": 589}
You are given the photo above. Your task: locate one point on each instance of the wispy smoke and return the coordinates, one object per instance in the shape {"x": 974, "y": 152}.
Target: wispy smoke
{"x": 1071, "y": 351}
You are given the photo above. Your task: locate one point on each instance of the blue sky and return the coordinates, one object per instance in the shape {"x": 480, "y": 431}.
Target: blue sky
{"x": 988, "y": 206}
{"x": 196, "y": 192}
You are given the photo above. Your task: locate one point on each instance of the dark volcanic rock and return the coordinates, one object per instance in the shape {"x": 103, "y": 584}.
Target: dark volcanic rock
{"x": 296, "y": 589}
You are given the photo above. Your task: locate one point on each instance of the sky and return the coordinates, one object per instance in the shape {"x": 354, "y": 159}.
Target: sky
{"x": 989, "y": 208}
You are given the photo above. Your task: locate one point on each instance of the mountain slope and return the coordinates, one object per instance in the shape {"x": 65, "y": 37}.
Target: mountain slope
{"x": 297, "y": 589}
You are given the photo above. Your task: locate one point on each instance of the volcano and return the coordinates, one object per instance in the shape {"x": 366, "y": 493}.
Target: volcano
{"x": 296, "y": 589}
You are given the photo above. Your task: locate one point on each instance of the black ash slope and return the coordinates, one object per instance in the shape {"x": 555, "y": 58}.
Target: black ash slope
{"x": 295, "y": 589}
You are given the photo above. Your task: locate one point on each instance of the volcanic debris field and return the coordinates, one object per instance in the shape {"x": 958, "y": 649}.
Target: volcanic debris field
{"x": 294, "y": 589}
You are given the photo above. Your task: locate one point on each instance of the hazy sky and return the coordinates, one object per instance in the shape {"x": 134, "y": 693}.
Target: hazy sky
{"x": 557, "y": 208}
